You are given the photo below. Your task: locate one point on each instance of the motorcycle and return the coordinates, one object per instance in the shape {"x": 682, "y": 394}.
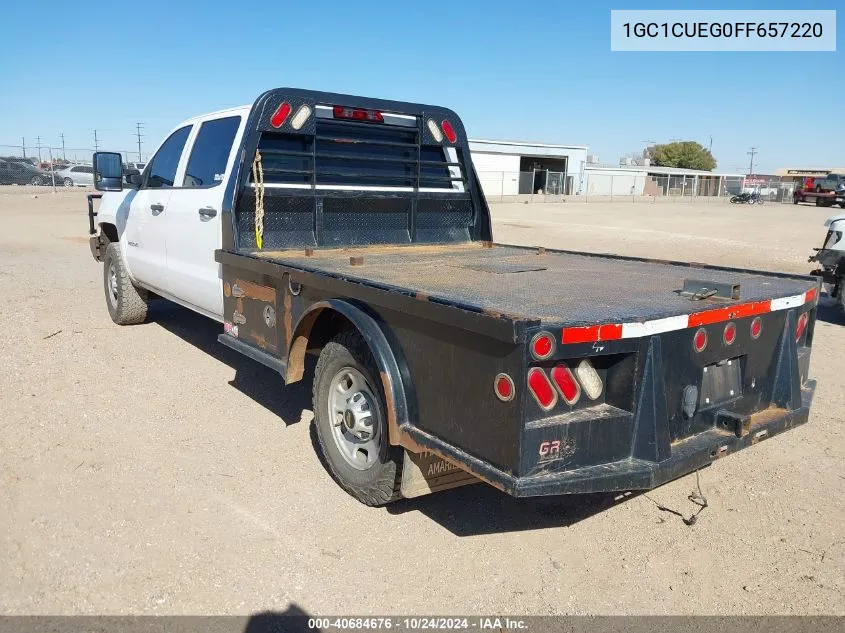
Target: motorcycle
{"x": 747, "y": 198}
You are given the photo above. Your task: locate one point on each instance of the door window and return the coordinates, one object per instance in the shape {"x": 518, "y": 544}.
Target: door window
{"x": 162, "y": 171}
{"x": 207, "y": 165}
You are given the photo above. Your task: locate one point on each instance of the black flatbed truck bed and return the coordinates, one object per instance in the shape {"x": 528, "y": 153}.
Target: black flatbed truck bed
{"x": 405, "y": 260}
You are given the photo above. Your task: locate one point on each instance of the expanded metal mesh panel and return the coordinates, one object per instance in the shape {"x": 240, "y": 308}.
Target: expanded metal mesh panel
{"x": 438, "y": 213}
{"x": 439, "y": 220}
{"x": 365, "y": 220}
{"x": 288, "y": 221}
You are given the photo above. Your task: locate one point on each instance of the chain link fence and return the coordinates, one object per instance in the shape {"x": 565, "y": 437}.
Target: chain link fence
{"x": 547, "y": 186}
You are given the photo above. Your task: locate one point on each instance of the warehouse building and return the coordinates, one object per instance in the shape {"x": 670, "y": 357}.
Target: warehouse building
{"x": 511, "y": 168}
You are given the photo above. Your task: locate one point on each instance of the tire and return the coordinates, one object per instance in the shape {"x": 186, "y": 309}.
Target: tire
{"x": 36, "y": 181}
{"x": 819, "y": 202}
{"x": 68, "y": 182}
{"x": 354, "y": 443}
{"x": 734, "y": 200}
{"x": 127, "y": 303}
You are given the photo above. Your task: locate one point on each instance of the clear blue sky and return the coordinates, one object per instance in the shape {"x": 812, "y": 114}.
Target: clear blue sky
{"x": 540, "y": 71}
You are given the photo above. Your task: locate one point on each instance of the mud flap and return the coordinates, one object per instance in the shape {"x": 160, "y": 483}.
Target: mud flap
{"x": 424, "y": 473}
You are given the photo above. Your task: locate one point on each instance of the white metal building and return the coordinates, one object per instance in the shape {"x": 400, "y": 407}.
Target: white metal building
{"x": 510, "y": 168}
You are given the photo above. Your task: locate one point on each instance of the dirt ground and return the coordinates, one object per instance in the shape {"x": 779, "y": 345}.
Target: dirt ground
{"x": 150, "y": 470}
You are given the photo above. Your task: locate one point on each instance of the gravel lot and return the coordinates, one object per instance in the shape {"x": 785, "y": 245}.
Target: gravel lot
{"x": 149, "y": 470}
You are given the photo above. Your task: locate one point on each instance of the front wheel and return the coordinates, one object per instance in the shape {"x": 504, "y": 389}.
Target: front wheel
{"x": 126, "y": 302}
{"x": 735, "y": 199}
{"x": 350, "y": 416}
{"x": 36, "y": 181}
{"x": 68, "y": 182}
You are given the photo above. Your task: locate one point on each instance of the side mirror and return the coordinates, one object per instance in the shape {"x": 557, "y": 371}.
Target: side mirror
{"x": 108, "y": 171}
{"x": 133, "y": 179}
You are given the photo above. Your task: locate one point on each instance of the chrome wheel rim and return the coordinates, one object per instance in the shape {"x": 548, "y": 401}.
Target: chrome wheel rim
{"x": 354, "y": 418}
{"x": 112, "y": 285}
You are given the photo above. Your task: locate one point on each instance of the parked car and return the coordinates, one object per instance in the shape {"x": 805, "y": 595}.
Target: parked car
{"x": 17, "y": 172}
{"x": 76, "y": 176}
{"x": 128, "y": 167}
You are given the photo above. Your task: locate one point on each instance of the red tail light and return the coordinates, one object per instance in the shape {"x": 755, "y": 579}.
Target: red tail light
{"x": 542, "y": 346}
{"x": 449, "y": 131}
{"x": 566, "y": 384}
{"x": 504, "y": 387}
{"x": 801, "y": 326}
{"x": 730, "y": 333}
{"x": 699, "y": 341}
{"x": 280, "y": 115}
{"x": 756, "y": 327}
{"x": 357, "y": 114}
{"x": 541, "y": 388}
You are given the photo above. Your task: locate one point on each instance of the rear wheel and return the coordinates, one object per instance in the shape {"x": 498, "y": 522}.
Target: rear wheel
{"x": 36, "y": 180}
{"x": 819, "y": 202}
{"x": 350, "y": 416}
{"x": 127, "y": 303}
{"x": 68, "y": 182}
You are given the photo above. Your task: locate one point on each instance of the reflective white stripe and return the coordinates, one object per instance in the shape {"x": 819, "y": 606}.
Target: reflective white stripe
{"x": 279, "y": 185}
{"x": 787, "y": 302}
{"x": 658, "y": 326}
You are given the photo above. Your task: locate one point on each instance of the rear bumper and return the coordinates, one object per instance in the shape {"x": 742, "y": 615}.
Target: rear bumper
{"x": 632, "y": 474}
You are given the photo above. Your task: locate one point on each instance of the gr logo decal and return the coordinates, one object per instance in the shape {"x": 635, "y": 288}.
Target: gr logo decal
{"x": 555, "y": 449}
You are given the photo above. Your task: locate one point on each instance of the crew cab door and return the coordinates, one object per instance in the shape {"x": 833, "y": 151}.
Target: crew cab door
{"x": 194, "y": 215}
{"x": 143, "y": 240}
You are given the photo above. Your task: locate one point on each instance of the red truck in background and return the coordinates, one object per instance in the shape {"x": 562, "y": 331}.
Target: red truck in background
{"x": 825, "y": 192}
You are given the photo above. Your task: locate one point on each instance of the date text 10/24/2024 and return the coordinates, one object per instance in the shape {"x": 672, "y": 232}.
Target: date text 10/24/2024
{"x": 418, "y": 623}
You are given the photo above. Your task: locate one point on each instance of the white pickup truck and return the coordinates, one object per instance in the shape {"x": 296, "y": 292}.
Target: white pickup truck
{"x": 356, "y": 229}
{"x": 178, "y": 199}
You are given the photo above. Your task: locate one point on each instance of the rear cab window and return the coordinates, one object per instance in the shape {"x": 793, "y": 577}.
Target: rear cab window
{"x": 210, "y": 153}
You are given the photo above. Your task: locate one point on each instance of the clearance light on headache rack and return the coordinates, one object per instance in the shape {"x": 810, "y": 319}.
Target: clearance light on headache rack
{"x": 801, "y": 326}
{"x": 357, "y": 114}
{"x": 449, "y": 131}
{"x": 435, "y": 131}
{"x": 300, "y": 117}
{"x": 280, "y": 115}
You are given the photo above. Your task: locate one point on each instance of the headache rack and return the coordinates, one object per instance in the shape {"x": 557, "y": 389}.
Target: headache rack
{"x": 326, "y": 170}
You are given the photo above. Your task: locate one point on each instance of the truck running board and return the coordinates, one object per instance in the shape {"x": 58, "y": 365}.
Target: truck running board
{"x": 255, "y": 354}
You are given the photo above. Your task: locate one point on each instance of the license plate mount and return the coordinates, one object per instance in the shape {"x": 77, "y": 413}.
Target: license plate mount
{"x": 721, "y": 382}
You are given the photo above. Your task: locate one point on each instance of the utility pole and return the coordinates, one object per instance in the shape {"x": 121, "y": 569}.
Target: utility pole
{"x": 23, "y": 146}
{"x": 96, "y": 142}
{"x": 62, "y": 135}
{"x": 139, "y": 135}
{"x": 710, "y": 148}
{"x": 752, "y": 153}
{"x": 38, "y": 145}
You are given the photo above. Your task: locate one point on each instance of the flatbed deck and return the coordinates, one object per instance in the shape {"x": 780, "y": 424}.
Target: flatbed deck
{"x": 528, "y": 283}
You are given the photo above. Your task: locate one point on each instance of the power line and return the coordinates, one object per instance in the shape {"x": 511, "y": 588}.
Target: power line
{"x": 752, "y": 153}
{"x": 138, "y": 127}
